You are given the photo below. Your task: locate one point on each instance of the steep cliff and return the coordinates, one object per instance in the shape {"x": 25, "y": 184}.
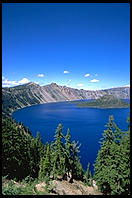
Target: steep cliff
{"x": 31, "y": 93}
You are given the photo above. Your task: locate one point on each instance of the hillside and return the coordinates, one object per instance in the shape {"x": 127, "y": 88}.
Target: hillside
{"x": 28, "y": 166}
{"x": 106, "y": 101}
{"x": 55, "y": 187}
{"x": 32, "y": 168}
{"x": 31, "y": 93}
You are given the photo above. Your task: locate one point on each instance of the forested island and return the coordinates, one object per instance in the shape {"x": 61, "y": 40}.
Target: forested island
{"x": 106, "y": 101}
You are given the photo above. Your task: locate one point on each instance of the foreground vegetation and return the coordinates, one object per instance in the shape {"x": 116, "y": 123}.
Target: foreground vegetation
{"x": 112, "y": 167}
{"x": 26, "y": 159}
{"x": 24, "y": 187}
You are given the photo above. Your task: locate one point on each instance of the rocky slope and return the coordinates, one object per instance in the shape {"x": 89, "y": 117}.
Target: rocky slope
{"x": 55, "y": 187}
{"x": 31, "y": 93}
{"x": 65, "y": 188}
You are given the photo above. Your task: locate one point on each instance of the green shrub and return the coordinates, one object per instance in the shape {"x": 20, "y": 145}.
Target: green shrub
{"x": 9, "y": 188}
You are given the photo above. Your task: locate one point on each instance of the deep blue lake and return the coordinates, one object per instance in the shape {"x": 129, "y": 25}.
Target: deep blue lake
{"x": 86, "y": 124}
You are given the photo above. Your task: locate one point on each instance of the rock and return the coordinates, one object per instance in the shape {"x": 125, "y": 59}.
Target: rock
{"x": 76, "y": 188}
{"x": 59, "y": 177}
{"x": 40, "y": 187}
{"x": 31, "y": 93}
{"x": 94, "y": 185}
{"x": 63, "y": 188}
{"x": 51, "y": 177}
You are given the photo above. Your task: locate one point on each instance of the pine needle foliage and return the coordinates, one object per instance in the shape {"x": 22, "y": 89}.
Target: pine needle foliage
{"x": 112, "y": 167}
{"x": 25, "y": 156}
{"x": 20, "y": 151}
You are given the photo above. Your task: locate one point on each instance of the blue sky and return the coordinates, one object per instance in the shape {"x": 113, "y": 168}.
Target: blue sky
{"x": 85, "y": 46}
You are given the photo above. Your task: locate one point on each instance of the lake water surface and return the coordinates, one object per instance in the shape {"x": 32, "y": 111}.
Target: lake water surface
{"x": 86, "y": 124}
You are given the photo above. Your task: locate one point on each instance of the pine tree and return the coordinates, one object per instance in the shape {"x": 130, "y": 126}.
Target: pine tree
{"x": 124, "y": 165}
{"x": 45, "y": 164}
{"x": 47, "y": 167}
{"x": 36, "y": 152}
{"x": 59, "y": 157}
{"x": 76, "y": 167}
{"x": 15, "y": 144}
{"x": 88, "y": 175}
{"x": 68, "y": 152}
{"x": 52, "y": 158}
{"x": 20, "y": 151}
{"x": 111, "y": 161}
{"x": 79, "y": 172}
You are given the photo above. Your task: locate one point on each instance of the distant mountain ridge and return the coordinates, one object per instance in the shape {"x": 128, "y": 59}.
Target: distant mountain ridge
{"x": 31, "y": 93}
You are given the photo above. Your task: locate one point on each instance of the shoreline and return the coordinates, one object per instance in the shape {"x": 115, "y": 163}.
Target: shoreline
{"x": 103, "y": 107}
{"x": 69, "y": 101}
{"x": 12, "y": 111}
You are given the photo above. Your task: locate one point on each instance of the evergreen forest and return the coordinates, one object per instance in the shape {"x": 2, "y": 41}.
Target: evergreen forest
{"x": 25, "y": 156}
{"x": 106, "y": 101}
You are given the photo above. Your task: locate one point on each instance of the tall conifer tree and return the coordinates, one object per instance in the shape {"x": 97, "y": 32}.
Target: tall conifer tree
{"x": 112, "y": 165}
{"x": 88, "y": 175}
{"x": 45, "y": 167}
{"x": 68, "y": 152}
{"x": 59, "y": 158}
{"x": 76, "y": 167}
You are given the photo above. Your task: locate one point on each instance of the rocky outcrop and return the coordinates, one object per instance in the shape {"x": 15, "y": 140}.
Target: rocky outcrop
{"x": 31, "y": 93}
{"x": 65, "y": 188}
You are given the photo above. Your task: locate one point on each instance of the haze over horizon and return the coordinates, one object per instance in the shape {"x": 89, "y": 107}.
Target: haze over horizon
{"x": 64, "y": 86}
{"x": 79, "y": 45}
